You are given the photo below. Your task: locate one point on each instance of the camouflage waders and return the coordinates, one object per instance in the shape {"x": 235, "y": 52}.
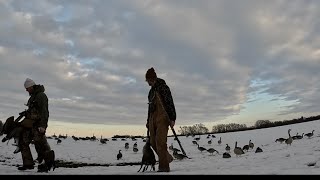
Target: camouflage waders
{"x": 40, "y": 142}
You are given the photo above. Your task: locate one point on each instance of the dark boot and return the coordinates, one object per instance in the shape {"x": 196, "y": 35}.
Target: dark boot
{"x": 42, "y": 168}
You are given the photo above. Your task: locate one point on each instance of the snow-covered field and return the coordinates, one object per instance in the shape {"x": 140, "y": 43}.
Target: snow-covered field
{"x": 302, "y": 157}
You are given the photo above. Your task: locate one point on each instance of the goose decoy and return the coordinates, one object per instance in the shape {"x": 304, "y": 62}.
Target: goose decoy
{"x": 289, "y": 140}
{"x": 75, "y": 138}
{"x": 280, "y": 140}
{"x": 135, "y": 149}
{"x": 246, "y": 147}
{"x": 179, "y": 156}
{"x": 219, "y": 142}
{"x": 227, "y": 148}
{"x": 309, "y": 135}
{"x": 251, "y": 145}
{"x": 171, "y": 147}
{"x": 119, "y": 155}
{"x": 195, "y": 142}
{"x": 237, "y": 150}
{"x": 295, "y": 137}
{"x": 211, "y": 151}
{"x": 103, "y": 141}
{"x": 201, "y": 148}
{"x": 226, "y": 155}
{"x": 258, "y": 150}
{"x": 175, "y": 149}
{"x": 135, "y": 144}
{"x": 300, "y": 136}
{"x": 126, "y": 145}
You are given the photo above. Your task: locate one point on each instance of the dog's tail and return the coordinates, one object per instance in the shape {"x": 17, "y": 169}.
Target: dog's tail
{"x": 140, "y": 167}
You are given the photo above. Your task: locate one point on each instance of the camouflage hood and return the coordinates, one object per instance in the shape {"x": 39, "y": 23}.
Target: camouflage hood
{"x": 38, "y": 88}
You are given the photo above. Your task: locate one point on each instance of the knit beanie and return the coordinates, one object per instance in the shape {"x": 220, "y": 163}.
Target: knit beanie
{"x": 151, "y": 74}
{"x": 28, "y": 83}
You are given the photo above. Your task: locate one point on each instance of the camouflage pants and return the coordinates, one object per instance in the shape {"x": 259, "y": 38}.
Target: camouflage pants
{"x": 40, "y": 142}
{"x": 158, "y": 127}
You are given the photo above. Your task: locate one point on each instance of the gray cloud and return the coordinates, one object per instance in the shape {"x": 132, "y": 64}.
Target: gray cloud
{"x": 92, "y": 56}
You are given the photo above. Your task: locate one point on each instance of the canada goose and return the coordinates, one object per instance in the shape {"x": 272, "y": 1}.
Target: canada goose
{"x": 251, "y": 145}
{"x": 219, "y": 142}
{"x": 226, "y": 155}
{"x": 258, "y": 150}
{"x": 135, "y": 144}
{"x": 227, "y": 148}
{"x": 210, "y": 141}
{"x": 237, "y": 150}
{"x": 309, "y": 135}
{"x": 201, "y": 148}
{"x": 198, "y": 138}
{"x": 280, "y": 140}
{"x": 289, "y": 140}
{"x": 211, "y": 151}
{"x": 119, "y": 155}
{"x": 213, "y": 136}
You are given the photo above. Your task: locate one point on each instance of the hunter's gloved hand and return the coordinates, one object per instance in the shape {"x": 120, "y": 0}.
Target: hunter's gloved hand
{"x": 41, "y": 130}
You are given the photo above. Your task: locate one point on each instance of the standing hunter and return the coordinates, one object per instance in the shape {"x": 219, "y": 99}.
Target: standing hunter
{"x": 161, "y": 115}
{"x": 34, "y": 128}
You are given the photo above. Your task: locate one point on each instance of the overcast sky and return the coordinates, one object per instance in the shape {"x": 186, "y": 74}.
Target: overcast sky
{"x": 224, "y": 60}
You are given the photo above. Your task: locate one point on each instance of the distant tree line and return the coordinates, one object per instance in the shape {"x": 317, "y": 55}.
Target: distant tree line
{"x": 232, "y": 127}
{"x": 193, "y": 130}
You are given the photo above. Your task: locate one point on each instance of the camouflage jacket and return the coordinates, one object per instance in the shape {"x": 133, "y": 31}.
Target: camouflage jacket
{"x": 38, "y": 107}
{"x": 164, "y": 91}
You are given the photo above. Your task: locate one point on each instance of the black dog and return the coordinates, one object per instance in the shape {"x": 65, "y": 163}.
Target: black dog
{"x": 148, "y": 158}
